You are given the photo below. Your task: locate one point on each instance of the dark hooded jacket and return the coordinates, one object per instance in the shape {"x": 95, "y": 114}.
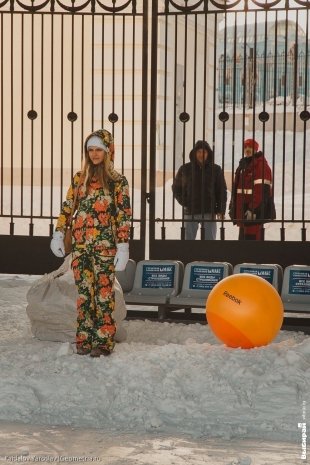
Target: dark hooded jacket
{"x": 201, "y": 188}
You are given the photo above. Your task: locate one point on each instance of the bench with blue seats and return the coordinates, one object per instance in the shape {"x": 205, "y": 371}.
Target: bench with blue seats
{"x": 169, "y": 286}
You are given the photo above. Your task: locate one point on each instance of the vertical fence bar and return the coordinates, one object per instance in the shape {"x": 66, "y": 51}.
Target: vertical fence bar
{"x": 284, "y": 84}
{"x": 274, "y": 118}
{"x": 185, "y": 83}
{"x": 123, "y": 106}
{"x": 93, "y": 70}
{"x": 72, "y": 91}
{"x": 194, "y": 78}
{"x": 173, "y": 22}
{"x": 175, "y": 83}
{"x": 262, "y": 98}
{"x": 294, "y": 58}
{"x": 32, "y": 128}
{"x": 252, "y": 78}
{"x": 245, "y": 79}
{"x": 204, "y": 104}
{"x": 222, "y": 228}
{"x": 22, "y": 110}
{"x": 175, "y": 111}
{"x": 1, "y": 125}
{"x": 133, "y": 116}
{"x": 264, "y": 90}
{"x": 82, "y": 85}
{"x": 12, "y": 125}
{"x": 52, "y": 128}
{"x": 144, "y": 135}
{"x": 205, "y": 95}
{"x": 113, "y": 71}
{"x": 62, "y": 107}
{"x": 42, "y": 117}
{"x": 102, "y": 67}
{"x": 163, "y": 213}
{"x": 153, "y": 100}
{"x": 252, "y": 103}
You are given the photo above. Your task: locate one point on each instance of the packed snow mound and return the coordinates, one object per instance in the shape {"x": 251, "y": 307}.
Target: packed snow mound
{"x": 52, "y": 306}
{"x": 169, "y": 378}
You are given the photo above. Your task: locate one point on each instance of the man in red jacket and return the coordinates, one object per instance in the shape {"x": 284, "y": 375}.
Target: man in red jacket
{"x": 252, "y": 202}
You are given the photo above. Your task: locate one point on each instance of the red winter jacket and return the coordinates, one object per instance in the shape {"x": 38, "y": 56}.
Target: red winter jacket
{"x": 252, "y": 190}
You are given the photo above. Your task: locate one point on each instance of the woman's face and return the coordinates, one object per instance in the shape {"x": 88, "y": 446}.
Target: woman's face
{"x": 96, "y": 155}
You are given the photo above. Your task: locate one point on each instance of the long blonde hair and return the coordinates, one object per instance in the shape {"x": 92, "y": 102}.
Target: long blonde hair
{"x": 101, "y": 172}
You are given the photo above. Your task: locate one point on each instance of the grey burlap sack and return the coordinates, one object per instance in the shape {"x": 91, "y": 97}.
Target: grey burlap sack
{"x": 52, "y": 306}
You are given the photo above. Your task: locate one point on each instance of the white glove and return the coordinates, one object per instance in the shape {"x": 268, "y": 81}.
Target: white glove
{"x": 57, "y": 244}
{"x": 250, "y": 215}
{"x": 122, "y": 256}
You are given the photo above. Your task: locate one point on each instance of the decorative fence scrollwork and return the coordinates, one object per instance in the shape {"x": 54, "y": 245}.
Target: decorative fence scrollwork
{"x": 73, "y": 6}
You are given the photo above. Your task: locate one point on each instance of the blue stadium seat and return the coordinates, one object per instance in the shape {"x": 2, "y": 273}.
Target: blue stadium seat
{"x": 155, "y": 282}
{"x": 199, "y": 279}
{"x": 296, "y": 288}
{"x": 273, "y": 273}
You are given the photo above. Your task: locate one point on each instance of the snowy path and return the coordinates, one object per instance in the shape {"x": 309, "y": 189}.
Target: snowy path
{"x": 30, "y": 443}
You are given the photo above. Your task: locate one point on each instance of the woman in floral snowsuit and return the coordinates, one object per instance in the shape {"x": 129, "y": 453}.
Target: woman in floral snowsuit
{"x": 100, "y": 234}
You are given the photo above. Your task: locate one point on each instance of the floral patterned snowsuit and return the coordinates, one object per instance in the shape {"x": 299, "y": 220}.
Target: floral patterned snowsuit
{"x": 102, "y": 220}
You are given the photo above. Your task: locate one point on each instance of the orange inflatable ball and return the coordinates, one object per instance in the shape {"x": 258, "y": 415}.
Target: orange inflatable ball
{"x": 244, "y": 310}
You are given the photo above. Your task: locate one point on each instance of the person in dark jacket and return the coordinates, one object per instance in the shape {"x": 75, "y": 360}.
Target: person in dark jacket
{"x": 252, "y": 202}
{"x": 200, "y": 188}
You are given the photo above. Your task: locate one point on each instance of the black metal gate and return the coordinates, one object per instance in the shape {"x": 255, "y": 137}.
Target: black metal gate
{"x": 227, "y": 71}
{"x": 159, "y": 79}
{"x": 67, "y": 68}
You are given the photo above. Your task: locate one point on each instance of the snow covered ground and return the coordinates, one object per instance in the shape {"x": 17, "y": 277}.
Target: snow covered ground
{"x": 170, "y": 394}
{"x": 114, "y": 448}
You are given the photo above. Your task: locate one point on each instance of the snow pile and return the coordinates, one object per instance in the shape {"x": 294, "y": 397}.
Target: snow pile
{"x": 170, "y": 378}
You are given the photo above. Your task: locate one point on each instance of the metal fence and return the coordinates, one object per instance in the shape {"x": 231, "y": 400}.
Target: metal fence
{"x": 66, "y": 69}
{"x": 226, "y": 72}
{"x": 159, "y": 75}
